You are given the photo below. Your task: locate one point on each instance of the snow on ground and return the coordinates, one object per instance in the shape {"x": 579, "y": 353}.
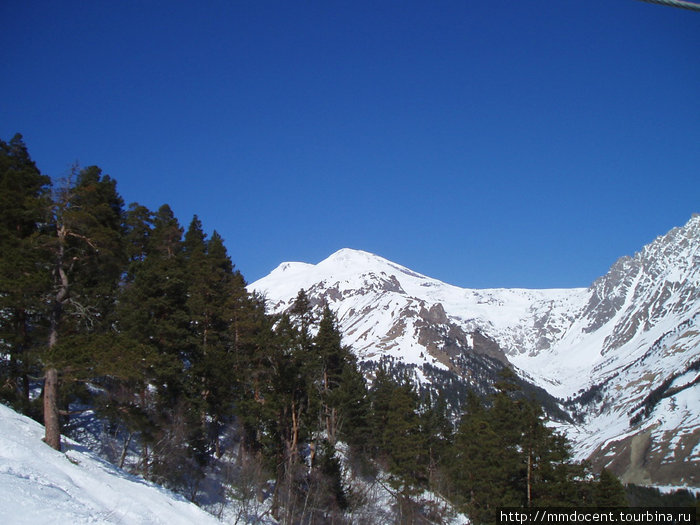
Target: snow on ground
{"x": 40, "y": 485}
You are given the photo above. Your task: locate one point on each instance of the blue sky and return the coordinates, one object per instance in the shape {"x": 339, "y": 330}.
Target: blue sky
{"x": 486, "y": 144}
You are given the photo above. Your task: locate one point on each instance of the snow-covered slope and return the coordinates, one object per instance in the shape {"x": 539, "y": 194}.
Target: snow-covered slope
{"x": 386, "y": 309}
{"x": 41, "y": 485}
{"x": 631, "y": 360}
{"x": 652, "y": 295}
{"x": 625, "y": 351}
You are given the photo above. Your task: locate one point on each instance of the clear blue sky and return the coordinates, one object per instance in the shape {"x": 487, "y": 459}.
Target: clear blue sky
{"x": 484, "y": 143}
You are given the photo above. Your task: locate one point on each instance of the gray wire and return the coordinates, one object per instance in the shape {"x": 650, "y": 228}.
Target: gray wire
{"x": 676, "y": 3}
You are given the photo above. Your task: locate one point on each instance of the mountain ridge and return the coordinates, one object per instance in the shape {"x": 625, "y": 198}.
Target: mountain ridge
{"x": 619, "y": 354}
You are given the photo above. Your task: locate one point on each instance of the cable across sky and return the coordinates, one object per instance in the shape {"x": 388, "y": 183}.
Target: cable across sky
{"x": 676, "y": 3}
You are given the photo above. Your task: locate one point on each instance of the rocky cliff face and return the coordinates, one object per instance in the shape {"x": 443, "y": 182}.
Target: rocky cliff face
{"x": 622, "y": 356}
{"x": 640, "y": 406}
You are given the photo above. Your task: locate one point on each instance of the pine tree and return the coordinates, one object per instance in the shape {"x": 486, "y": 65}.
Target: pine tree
{"x": 352, "y": 399}
{"x": 255, "y": 354}
{"x": 477, "y": 470}
{"x": 152, "y": 301}
{"x": 88, "y": 258}
{"x": 506, "y": 419}
{"x": 24, "y": 269}
{"x": 138, "y": 226}
{"x": 153, "y": 319}
{"x": 380, "y": 398}
{"x": 332, "y": 359}
{"x": 302, "y": 314}
{"x": 289, "y": 395}
{"x": 396, "y": 425}
{"x": 506, "y": 456}
{"x": 438, "y": 432}
{"x": 332, "y": 494}
{"x": 153, "y": 306}
{"x": 406, "y": 445}
{"x": 608, "y": 491}
{"x": 213, "y": 305}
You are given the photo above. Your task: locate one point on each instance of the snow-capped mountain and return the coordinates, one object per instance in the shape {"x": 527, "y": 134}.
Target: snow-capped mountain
{"x": 637, "y": 346}
{"x": 622, "y": 355}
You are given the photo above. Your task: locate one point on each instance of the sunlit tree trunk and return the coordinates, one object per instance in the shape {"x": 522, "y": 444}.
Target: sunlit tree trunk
{"x": 52, "y": 435}
{"x": 52, "y": 424}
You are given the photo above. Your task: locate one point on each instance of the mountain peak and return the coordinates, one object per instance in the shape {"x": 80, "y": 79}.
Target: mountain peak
{"x": 352, "y": 256}
{"x": 350, "y": 261}
{"x": 349, "y": 253}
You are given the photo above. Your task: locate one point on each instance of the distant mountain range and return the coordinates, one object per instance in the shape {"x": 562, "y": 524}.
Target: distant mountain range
{"x": 619, "y": 361}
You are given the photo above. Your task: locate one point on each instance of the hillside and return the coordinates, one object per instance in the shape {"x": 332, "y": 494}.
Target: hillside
{"x": 41, "y": 485}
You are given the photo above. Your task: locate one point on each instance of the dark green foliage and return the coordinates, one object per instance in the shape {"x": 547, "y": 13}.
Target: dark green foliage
{"x": 23, "y": 191}
{"x": 380, "y": 398}
{"x": 639, "y": 496}
{"x": 438, "y": 433}
{"x": 303, "y": 314}
{"x": 152, "y": 308}
{"x": 330, "y": 476}
{"x": 254, "y": 357}
{"x": 300, "y": 395}
{"x": 84, "y": 245}
{"x": 24, "y": 273}
{"x": 153, "y": 319}
{"x": 507, "y": 456}
{"x": 343, "y": 395}
{"x": 138, "y": 225}
{"x": 405, "y": 444}
{"x": 399, "y": 440}
{"x": 608, "y": 491}
{"x": 215, "y": 308}
{"x": 479, "y": 471}
{"x": 88, "y": 247}
{"x": 353, "y": 404}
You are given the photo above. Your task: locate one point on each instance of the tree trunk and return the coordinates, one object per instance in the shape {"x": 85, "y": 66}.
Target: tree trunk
{"x": 529, "y": 478}
{"x": 52, "y": 425}
{"x": 18, "y": 359}
{"x": 125, "y": 449}
{"x": 295, "y": 436}
{"x": 144, "y": 462}
{"x": 24, "y": 368}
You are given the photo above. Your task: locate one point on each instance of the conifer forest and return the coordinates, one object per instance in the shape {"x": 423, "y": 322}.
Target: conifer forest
{"x": 121, "y": 323}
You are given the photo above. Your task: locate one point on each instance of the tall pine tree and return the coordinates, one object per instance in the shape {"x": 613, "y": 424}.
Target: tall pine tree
{"x": 154, "y": 319}
{"x": 88, "y": 256}
{"x": 24, "y": 269}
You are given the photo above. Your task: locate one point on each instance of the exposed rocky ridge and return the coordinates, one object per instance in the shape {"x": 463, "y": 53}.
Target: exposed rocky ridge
{"x": 637, "y": 344}
{"x": 605, "y": 349}
{"x": 659, "y": 280}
